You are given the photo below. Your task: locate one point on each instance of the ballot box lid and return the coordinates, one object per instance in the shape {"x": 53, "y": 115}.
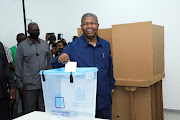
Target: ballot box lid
{"x": 61, "y": 71}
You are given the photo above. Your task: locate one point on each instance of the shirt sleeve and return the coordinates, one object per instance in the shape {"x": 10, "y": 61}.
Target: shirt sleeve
{"x": 67, "y": 50}
{"x": 111, "y": 77}
{"x": 19, "y": 63}
{"x": 11, "y": 82}
{"x": 55, "y": 63}
{"x": 8, "y": 54}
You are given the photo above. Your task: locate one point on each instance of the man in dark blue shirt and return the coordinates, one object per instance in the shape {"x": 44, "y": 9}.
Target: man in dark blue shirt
{"x": 89, "y": 50}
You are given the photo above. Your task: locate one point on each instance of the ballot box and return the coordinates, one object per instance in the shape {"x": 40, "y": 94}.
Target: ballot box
{"x": 70, "y": 94}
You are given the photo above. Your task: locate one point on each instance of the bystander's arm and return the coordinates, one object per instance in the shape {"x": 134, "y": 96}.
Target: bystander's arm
{"x": 11, "y": 82}
{"x": 18, "y": 71}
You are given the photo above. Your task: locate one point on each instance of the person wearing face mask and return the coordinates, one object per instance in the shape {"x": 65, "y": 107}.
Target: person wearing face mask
{"x": 60, "y": 45}
{"x": 15, "y": 112}
{"x": 33, "y": 55}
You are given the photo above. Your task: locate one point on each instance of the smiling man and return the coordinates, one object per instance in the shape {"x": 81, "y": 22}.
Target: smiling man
{"x": 89, "y": 50}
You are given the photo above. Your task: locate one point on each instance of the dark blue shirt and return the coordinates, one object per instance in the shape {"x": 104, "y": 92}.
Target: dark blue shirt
{"x": 86, "y": 55}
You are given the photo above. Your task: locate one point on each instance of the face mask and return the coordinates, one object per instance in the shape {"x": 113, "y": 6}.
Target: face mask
{"x": 34, "y": 35}
{"x": 60, "y": 50}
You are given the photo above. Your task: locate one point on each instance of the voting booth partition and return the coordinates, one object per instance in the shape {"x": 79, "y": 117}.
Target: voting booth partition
{"x": 138, "y": 59}
{"x": 70, "y": 94}
{"x": 138, "y": 56}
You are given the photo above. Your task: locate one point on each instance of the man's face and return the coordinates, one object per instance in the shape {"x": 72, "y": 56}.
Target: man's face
{"x": 34, "y": 31}
{"x": 34, "y": 28}
{"x": 21, "y": 38}
{"x": 60, "y": 45}
{"x": 89, "y": 27}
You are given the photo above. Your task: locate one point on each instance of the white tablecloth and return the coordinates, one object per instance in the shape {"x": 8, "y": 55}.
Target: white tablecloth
{"x": 36, "y": 115}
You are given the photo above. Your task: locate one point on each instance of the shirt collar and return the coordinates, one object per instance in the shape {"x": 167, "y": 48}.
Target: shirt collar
{"x": 86, "y": 43}
{"x": 31, "y": 42}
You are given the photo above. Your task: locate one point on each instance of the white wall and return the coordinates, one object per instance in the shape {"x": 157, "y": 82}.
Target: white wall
{"x": 11, "y": 21}
{"x": 63, "y": 16}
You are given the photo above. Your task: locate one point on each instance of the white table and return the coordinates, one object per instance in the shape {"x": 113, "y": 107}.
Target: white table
{"x": 37, "y": 115}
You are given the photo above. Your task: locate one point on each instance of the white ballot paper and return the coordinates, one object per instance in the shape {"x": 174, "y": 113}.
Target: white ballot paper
{"x": 70, "y": 66}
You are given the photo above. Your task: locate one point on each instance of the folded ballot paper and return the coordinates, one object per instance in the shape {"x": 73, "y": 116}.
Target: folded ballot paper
{"x": 70, "y": 66}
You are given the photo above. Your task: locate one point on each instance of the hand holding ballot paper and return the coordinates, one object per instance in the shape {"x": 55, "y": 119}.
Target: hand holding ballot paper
{"x": 69, "y": 66}
{"x": 63, "y": 58}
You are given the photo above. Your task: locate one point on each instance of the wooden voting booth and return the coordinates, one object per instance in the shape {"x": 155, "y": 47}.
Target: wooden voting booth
{"x": 138, "y": 59}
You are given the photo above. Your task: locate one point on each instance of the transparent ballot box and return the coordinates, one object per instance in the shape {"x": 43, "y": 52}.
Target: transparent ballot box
{"x": 70, "y": 94}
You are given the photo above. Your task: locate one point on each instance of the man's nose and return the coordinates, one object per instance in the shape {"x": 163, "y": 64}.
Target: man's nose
{"x": 89, "y": 25}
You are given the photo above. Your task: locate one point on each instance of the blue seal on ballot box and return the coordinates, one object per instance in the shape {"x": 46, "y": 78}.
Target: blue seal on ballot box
{"x": 59, "y": 102}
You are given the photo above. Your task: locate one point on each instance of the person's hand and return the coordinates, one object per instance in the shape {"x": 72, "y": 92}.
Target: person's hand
{"x": 12, "y": 94}
{"x": 22, "y": 90}
{"x": 63, "y": 58}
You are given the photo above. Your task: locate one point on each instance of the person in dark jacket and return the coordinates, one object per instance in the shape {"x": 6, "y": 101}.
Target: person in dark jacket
{"x": 6, "y": 81}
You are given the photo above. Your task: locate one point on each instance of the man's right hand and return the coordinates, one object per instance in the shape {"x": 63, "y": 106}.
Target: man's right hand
{"x": 22, "y": 90}
{"x": 63, "y": 58}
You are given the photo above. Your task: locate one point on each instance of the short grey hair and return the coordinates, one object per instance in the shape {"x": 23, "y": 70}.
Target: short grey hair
{"x": 32, "y": 23}
{"x": 89, "y": 15}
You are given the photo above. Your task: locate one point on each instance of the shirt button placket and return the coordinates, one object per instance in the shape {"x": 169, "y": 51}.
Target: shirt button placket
{"x": 95, "y": 57}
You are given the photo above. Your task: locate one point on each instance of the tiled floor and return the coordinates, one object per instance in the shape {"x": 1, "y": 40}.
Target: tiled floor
{"x": 171, "y": 114}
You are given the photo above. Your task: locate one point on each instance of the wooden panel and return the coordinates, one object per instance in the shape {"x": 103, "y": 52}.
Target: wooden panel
{"x": 106, "y": 34}
{"x": 121, "y": 104}
{"x": 132, "y": 51}
{"x": 143, "y": 106}
{"x": 144, "y": 103}
{"x": 80, "y": 32}
{"x": 153, "y": 103}
{"x": 139, "y": 83}
{"x": 158, "y": 49}
{"x": 159, "y": 101}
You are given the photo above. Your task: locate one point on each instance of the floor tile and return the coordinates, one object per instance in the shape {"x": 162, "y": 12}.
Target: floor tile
{"x": 165, "y": 114}
{"x": 171, "y": 115}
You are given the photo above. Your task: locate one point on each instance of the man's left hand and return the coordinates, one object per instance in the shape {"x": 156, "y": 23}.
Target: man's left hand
{"x": 12, "y": 94}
